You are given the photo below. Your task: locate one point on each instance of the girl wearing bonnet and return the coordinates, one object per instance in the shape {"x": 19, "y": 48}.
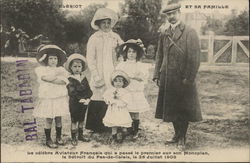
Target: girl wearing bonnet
{"x": 101, "y": 57}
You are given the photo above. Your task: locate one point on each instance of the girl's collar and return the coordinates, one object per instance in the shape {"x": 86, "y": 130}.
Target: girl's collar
{"x": 131, "y": 61}
{"x": 77, "y": 77}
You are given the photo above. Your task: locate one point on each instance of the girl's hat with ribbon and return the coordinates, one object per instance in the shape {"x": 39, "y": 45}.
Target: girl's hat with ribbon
{"x": 104, "y": 13}
{"x": 44, "y": 50}
{"x": 137, "y": 44}
{"x": 73, "y": 57}
{"x": 120, "y": 73}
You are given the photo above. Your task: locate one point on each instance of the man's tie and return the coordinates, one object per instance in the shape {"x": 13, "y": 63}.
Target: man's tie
{"x": 171, "y": 31}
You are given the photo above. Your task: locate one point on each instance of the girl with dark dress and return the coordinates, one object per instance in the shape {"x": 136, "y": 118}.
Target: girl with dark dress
{"x": 79, "y": 92}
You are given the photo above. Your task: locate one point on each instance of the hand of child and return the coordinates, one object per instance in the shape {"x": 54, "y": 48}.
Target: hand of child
{"x": 138, "y": 79}
{"x": 87, "y": 101}
{"x": 84, "y": 101}
{"x": 121, "y": 103}
{"x": 48, "y": 78}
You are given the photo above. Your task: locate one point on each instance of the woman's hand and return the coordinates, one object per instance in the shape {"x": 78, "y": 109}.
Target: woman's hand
{"x": 99, "y": 83}
{"x": 137, "y": 78}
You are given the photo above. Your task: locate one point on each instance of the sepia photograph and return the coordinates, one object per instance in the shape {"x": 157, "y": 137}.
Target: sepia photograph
{"x": 125, "y": 81}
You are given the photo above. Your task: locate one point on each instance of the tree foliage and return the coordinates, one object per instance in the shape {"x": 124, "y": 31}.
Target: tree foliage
{"x": 141, "y": 19}
{"x": 213, "y": 24}
{"x": 238, "y": 25}
{"x": 78, "y": 28}
{"x": 35, "y": 17}
{"x": 234, "y": 26}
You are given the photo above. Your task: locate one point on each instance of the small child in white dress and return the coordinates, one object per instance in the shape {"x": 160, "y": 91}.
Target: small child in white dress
{"x": 52, "y": 92}
{"x": 118, "y": 100}
{"x": 133, "y": 51}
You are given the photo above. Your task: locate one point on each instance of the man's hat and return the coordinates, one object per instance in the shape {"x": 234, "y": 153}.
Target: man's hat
{"x": 172, "y": 7}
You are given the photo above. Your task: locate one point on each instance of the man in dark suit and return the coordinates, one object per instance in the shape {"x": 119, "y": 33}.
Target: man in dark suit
{"x": 177, "y": 63}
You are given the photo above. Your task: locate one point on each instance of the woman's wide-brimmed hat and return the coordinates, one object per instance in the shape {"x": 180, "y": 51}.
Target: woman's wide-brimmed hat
{"x": 138, "y": 44}
{"x": 104, "y": 13}
{"x": 73, "y": 57}
{"x": 44, "y": 50}
{"x": 120, "y": 73}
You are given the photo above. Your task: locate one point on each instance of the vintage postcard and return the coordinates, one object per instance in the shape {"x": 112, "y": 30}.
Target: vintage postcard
{"x": 124, "y": 81}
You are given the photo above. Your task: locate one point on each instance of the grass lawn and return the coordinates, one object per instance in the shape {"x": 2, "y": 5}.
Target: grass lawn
{"x": 224, "y": 97}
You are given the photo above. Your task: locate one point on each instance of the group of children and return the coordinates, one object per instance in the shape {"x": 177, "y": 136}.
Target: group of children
{"x": 64, "y": 89}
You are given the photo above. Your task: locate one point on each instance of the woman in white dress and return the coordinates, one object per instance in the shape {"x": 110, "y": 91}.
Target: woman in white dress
{"x": 101, "y": 58}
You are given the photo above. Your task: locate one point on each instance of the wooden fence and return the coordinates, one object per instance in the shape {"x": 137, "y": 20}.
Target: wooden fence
{"x": 233, "y": 42}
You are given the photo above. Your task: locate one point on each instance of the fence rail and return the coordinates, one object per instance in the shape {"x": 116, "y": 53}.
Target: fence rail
{"x": 233, "y": 42}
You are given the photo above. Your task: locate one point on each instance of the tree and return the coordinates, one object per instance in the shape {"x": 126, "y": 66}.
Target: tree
{"x": 35, "y": 17}
{"x": 78, "y": 28}
{"x": 238, "y": 25}
{"x": 213, "y": 24}
{"x": 141, "y": 20}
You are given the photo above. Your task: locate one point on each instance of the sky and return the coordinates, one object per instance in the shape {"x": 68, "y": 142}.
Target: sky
{"x": 232, "y": 4}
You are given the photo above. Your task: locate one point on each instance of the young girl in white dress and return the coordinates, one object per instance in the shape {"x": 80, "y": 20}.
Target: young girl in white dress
{"x": 52, "y": 91}
{"x": 133, "y": 51}
{"x": 118, "y": 100}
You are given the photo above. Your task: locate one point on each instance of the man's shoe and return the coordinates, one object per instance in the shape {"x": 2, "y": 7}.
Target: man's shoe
{"x": 173, "y": 140}
{"x": 181, "y": 144}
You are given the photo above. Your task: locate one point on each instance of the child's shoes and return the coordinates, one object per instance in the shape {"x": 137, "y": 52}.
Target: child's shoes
{"x": 74, "y": 142}
{"x": 120, "y": 137}
{"x": 81, "y": 137}
{"x": 49, "y": 141}
{"x": 59, "y": 140}
{"x": 112, "y": 139}
{"x": 135, "y": 128}
{"x": 73, "y": 136}
{"x": 51, "y": 144}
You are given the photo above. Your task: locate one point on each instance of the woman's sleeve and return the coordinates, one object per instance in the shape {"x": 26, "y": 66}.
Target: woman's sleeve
{"x": 91, "y": 57}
